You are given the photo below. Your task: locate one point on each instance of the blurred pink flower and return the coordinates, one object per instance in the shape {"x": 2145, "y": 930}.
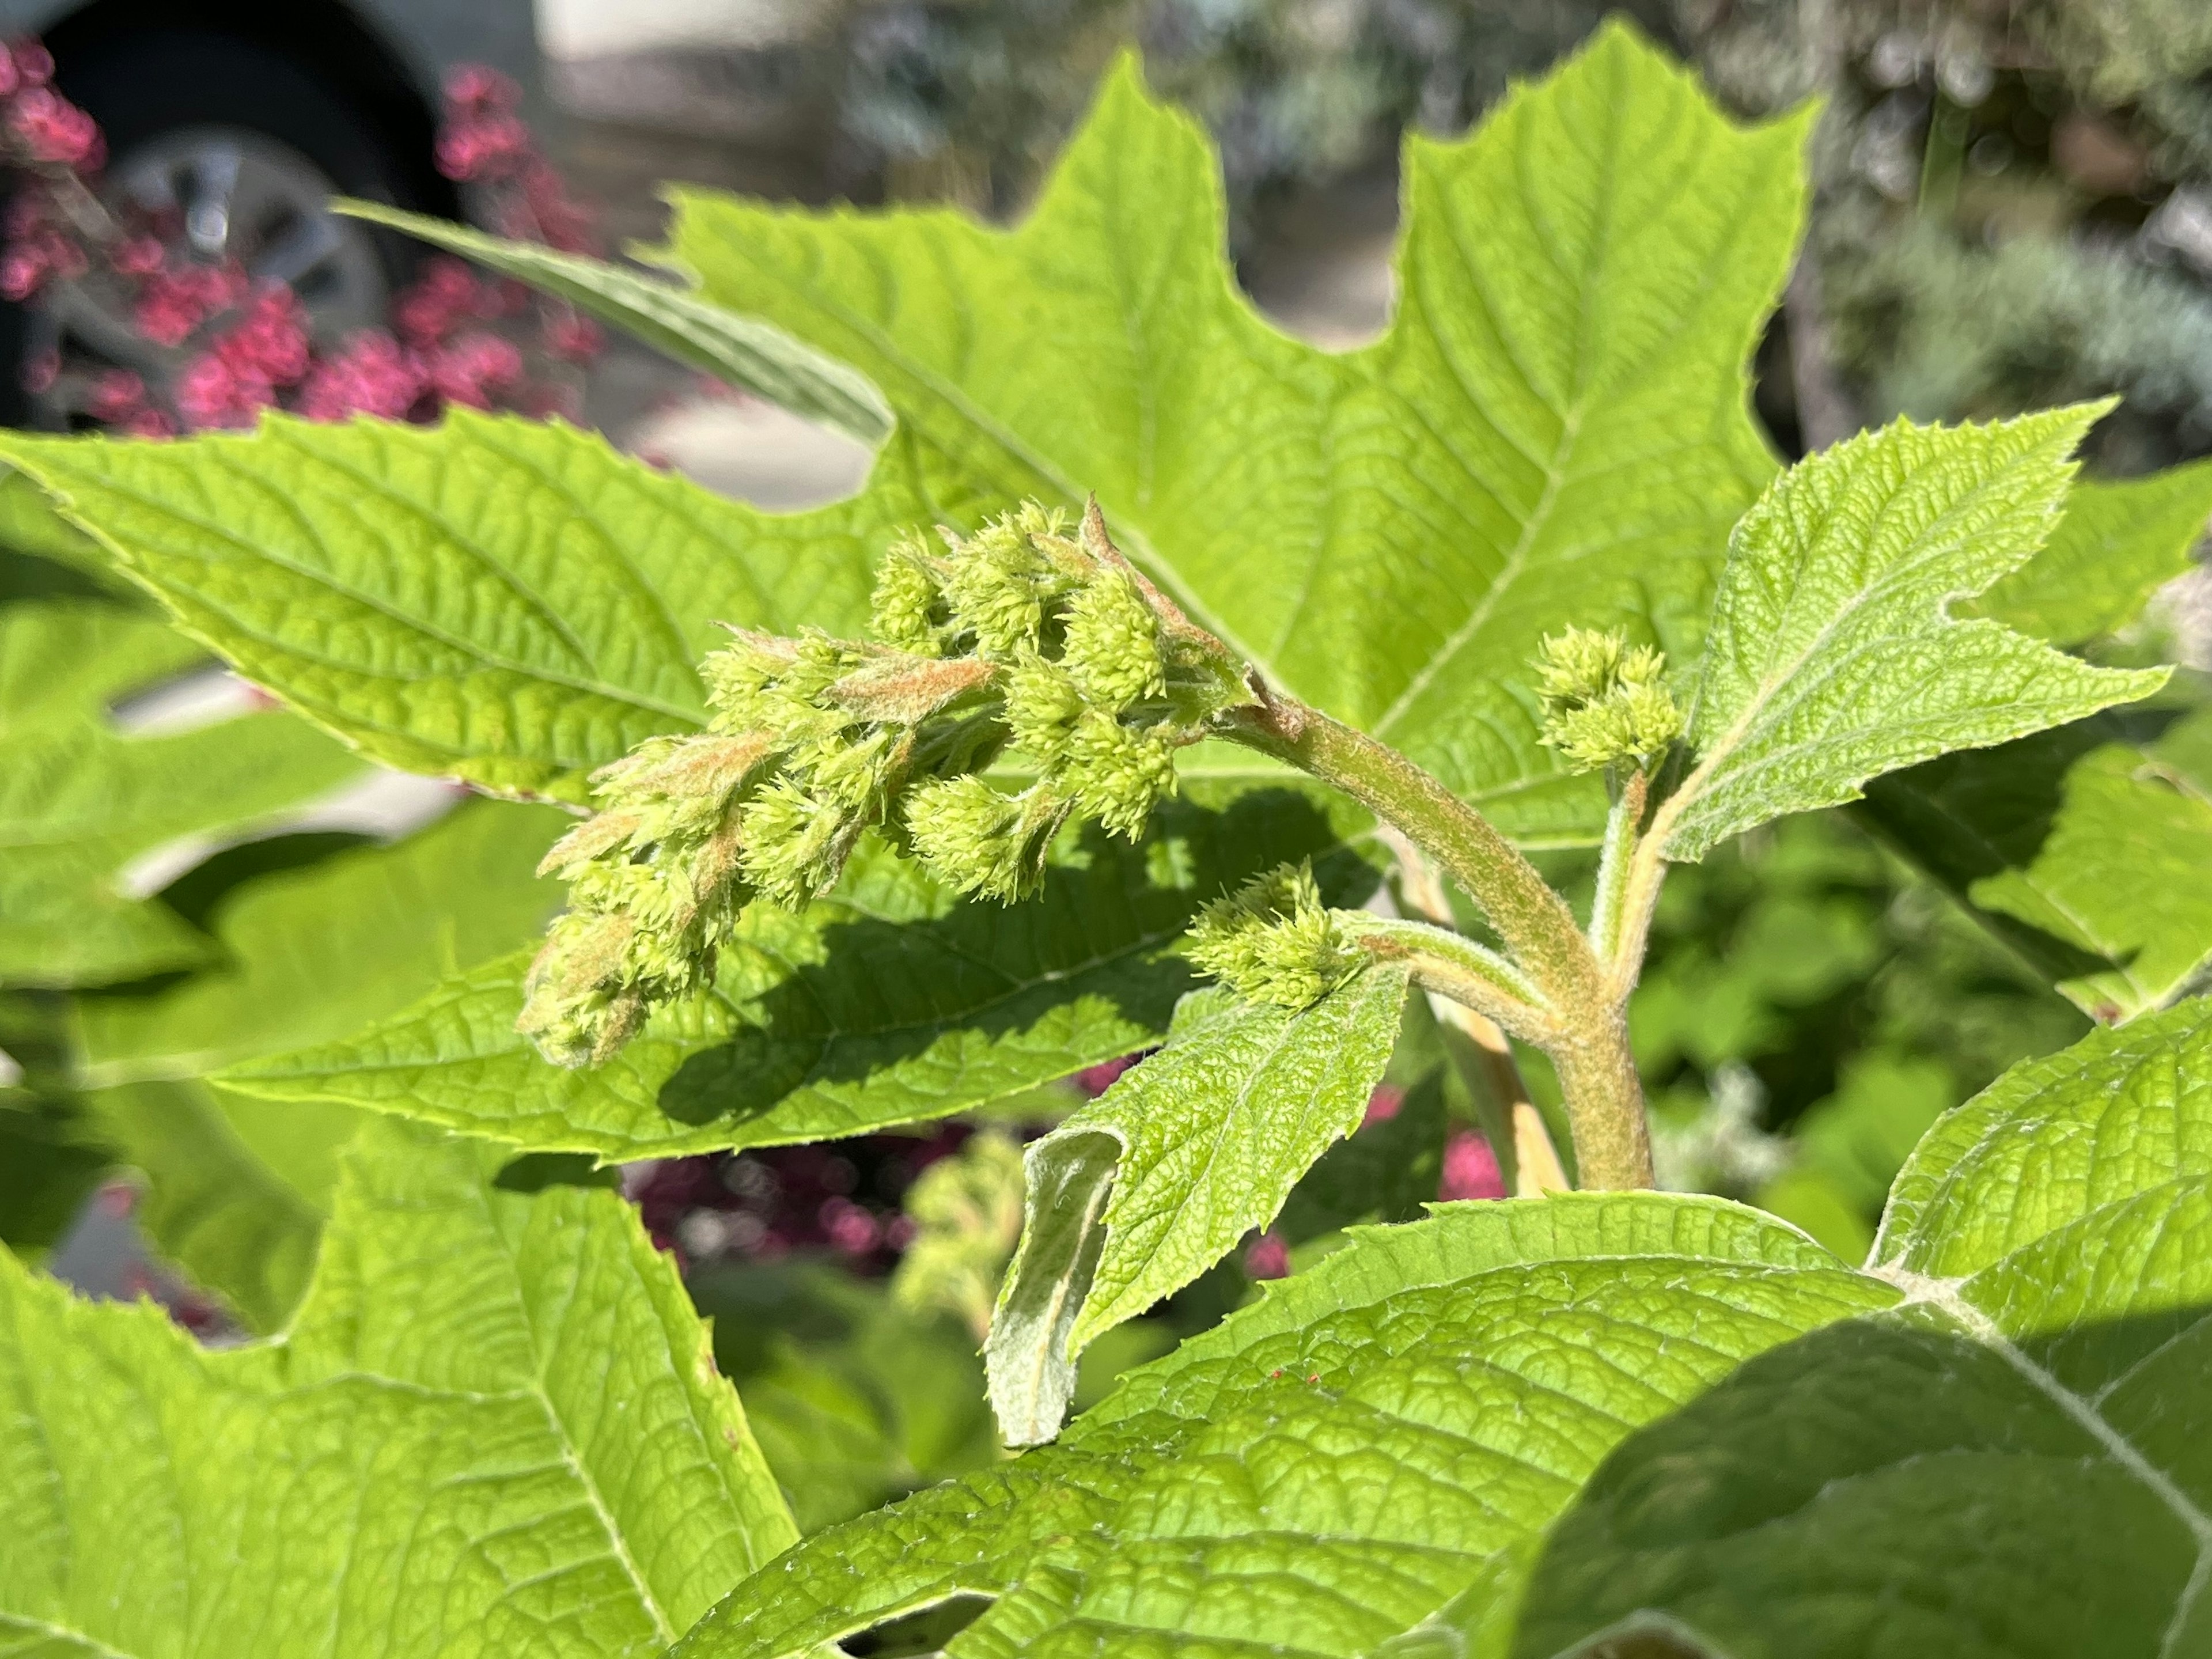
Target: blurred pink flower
{"x": 1267, "y": 1257}
{"x": 55, "y": 130}
{"x": 473, "y": 367}
{"x": 1470, "y": 1167}
{"x": 374, "y": 374}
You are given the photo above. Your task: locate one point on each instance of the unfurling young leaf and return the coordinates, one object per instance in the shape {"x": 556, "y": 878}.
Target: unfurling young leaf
{"x": 1139, "y": 1193}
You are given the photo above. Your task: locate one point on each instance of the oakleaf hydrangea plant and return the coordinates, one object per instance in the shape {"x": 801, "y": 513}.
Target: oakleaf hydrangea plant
{"x": 1169, "y": 688}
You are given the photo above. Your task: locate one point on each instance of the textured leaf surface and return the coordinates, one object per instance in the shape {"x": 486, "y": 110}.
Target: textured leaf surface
{"x": 1538, "y": 1428}
{"x": 742, "y": 351}
{"x": 512, "y": 604}
{"x": 2116, "y": 546}
{"x": 79, "y": 799}
{"x": 493, "y": 1430}
{"x": 1144, "y": 1189}
{"x": 1553, "y": 429}
{"x": 1832, "y": 658}
{"x": 886, "y": 1003}
{"x": 2085, "y": 847}
{"x": 1333, "y": 1463}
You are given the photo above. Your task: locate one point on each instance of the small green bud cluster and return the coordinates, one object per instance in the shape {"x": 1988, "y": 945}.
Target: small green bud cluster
{"x": 1272, "y": 941}
{"x": 1605, "y": 701}
{"x": 966, "y": 1212}
{"x": 1016, "y": 637}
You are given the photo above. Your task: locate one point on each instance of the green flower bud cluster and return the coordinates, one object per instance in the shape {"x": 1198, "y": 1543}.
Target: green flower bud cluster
{"x": 1272, "y": 941}
{"x": 1017, "y": 638}
{"x": 1605, "y": 701}
{"x": 966, "y": 1212}
{"x": 810, "y": 741}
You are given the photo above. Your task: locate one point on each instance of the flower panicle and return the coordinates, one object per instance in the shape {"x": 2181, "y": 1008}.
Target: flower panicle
{"x": 1606, "y": 701}
{"x": 1019, "y": 640}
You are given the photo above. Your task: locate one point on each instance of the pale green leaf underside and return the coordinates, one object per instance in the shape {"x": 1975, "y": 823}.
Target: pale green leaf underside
{"x": 1141, "y": 1191}
{"x": 1832, "y": 658}
{"x": 1553, "y": 430}
{"x": 2016, "y": 1463}
{"x": 495, "y": 1430}
{"x": 2116, "y": 544}
{"x": 885, "y": 1003}
{"x": 80, "y": 799}
{"x": 508, "y": 603}
{"x": 2085, "y": 848}
{"x": 742, "y": 351}
{"x": 1518, "y": 1428}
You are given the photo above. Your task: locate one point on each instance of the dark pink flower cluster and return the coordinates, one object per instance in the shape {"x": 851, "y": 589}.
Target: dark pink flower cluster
{"x": 485, "y": 142}
{"x": 249, "y": 347}
{"x": 254, "y": 359}
{"x": 841, "y": 1201}
{"x": 40, "y": 249}
{"x": 173, "y": 302}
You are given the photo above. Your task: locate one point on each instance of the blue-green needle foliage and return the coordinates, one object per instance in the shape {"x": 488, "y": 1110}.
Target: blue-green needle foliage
{"x": 1605, "y": 701}
{"x": 1020, "y": 641}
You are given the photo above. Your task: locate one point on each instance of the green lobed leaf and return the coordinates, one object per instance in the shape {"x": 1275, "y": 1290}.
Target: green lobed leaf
{"x": 79, "y": 799}
{"x": 2084, "y": 848}
{"x": 742, "y": 351}
{"x": 1833, "y": 656}
{"x": 494, "y": 1429}
{"x": 1554, "y": 429}
{"x": 2116, "y": 545}
{"x": 313, "y": 954}
{"x": 50, "y": 1155}
{"x": 1142, "y": 1190}
{"x": 886, "y": 1003}
{"x": 1604, "y": 1423}
{"x": 239, "y": 1187}
{"x": 236, "y": 1192}
{"x": 508, "y": 603}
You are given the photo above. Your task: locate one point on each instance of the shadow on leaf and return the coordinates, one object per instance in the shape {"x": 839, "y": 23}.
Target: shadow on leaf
{"x": 1884, "y": 1486}
{"x": 901, "y": 982}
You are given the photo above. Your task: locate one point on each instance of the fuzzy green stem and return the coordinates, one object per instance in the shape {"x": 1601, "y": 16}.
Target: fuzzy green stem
{"x": 1615, "y": 856}
{"x": 1589, "y": 1044}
